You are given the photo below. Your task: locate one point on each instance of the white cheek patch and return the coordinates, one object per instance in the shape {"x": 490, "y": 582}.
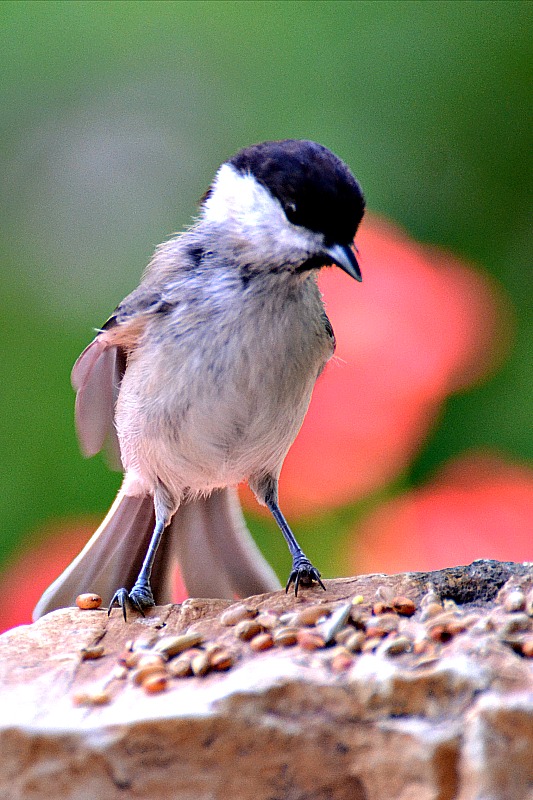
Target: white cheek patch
{"x": 248, "y": 211}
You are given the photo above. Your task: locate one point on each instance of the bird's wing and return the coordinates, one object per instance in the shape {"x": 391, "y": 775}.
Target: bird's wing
{"x": 98, "y": 372}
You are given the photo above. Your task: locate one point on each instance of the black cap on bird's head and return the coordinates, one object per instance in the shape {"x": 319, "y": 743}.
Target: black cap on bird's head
{"x": 315, "y": 189}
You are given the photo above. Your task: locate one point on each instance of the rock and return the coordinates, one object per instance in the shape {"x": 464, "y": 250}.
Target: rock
{"x": 446, "y": 717}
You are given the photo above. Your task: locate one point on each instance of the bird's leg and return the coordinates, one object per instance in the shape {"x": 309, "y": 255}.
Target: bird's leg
{"x": 303, "y": 573}
{"x": 140, "y": 596}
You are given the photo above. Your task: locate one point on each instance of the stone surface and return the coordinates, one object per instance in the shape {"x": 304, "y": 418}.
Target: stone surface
{"x": 447, "y": 717}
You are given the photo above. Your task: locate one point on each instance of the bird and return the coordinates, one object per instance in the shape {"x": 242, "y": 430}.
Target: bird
{"x": 202, "y": 376}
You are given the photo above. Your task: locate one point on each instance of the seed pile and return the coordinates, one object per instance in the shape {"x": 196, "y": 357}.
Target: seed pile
{"x": 335, "y": 633}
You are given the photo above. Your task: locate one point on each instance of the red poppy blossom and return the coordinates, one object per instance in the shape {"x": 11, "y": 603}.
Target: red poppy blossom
{"x": 420, "y": 326}
{"x": 479, "y": 506}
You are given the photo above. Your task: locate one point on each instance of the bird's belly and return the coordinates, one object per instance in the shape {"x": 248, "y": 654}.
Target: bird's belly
{"x": 221, "y": 435}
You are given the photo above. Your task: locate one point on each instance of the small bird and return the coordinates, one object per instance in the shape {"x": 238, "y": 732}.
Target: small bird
{"x": 202, "y": 377}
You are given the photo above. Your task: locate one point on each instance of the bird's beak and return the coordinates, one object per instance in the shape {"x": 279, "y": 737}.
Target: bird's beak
{"x": 344, "y": 257}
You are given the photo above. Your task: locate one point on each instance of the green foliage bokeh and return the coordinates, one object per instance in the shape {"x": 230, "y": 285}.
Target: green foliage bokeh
{"x": 114, "y": 117}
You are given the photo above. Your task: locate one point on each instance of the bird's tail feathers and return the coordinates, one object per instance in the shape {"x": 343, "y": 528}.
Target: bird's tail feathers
{"x": 207, "y": 537}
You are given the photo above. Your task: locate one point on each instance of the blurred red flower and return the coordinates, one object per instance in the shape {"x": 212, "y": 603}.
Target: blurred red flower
{"x": 479, "y": 506}
{"x": 421, "y": 325}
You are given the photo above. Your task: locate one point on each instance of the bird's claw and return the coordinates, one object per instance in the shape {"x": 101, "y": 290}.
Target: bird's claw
{"x": 138, "y": 599}
{"x": 303, "y": 574}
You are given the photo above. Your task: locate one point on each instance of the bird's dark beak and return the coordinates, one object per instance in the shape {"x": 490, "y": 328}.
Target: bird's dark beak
{"x": 344, "y": 257}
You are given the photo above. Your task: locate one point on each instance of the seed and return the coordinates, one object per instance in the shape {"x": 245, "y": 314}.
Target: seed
{"x": 263, "y": 641}
{"x": 382, "y": 625}
{"x": 221, "y": 660}
{"x": 247, "y": 629}
{"x": 286, "y": 637}
{"x": 397, "y": 645}
{"x": 515, "y": 601}
{"x": 440, "y": 633}
{"x": 88, "y": 601}
{"x": 371, "y": 644}
{"x": 403, "y": 605}
{"x": 344, "y": 634}
{"x": 91, "y": 697}
{"x": 514, "y": 623}
{"x": 359, "y": 618}
{"x": 310, "y": 615}
{"x": 287, "y": 618}
{"x": 172, "y": 645}
{"x": 335, "y": 622}
{"x": 89, "y": 653}
{"x": 140, "y": 674}
{"x": 156, "y": 682}
{"x": 267, "y": 620}
{"x": 237, "y": 613}
{"x": 381, "y": 607}
{"x": 341, "y": 662}
{"x": 310, "y": 640}
{"x": 354, "y": 643}
{"x": 200, "y": 664}
{"x": 357, "y": 600}
{"x": 180, "y": 667}
{"x": 431, "y": 610}
{"x": 527, "y": 648}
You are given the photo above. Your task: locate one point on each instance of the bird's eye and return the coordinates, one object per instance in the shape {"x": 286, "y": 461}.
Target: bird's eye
{"x": 291, "y": 212}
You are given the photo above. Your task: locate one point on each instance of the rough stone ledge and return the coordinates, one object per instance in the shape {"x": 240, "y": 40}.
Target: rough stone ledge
{"x": 449, "y": 717}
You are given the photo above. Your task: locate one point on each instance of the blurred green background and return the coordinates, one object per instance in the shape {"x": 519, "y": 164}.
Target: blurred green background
{"x": 114, "y": 117}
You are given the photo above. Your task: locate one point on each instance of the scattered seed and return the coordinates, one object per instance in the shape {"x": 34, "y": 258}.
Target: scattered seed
{"x": 527, "y": 648}
{"x": 267, "y": 620}
{"x": 286, "y": 637}
{"x": 431, "y": 610}
{"x": 221, "y": 660}
{"x": 309, "y": 639}
{"x": 515, "y": 601}
{"x": 344, "y": 634}
{"x": 246, "y": 629}
{"x": 397, "y": 645}
{"x": 403, "y": 605}
{"x": 91, "y": 697}
{"x": 354, "y": 643}
{"x": 310, "y": 615}
{"x": 140, "y": 674}
{"x": 180, "y": 667}
{"x": 371, "y": 644}
{"x": 381, "y": 607}
{"x": 382, "y": 625}
{"x": 156, "y": 682}
{"x": 89, "y": 653}
{"x": 341, "y": 662}
{"x": 513, "y": 623}
{"x": 200, "y": 664}
{"x": 359, "y": 618}
{"x": 237, "y": 613}
{"x": 287, "y": 618}
{"x": 263, "y": 641}
{"x": 335, "y": 623}
{"x": 172, "y": 645}
{"x": 88, "y": 601}
{"x": 440, "y": 633}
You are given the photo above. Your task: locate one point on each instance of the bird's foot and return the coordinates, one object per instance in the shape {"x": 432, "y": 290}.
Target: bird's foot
{"x": 303, "y": 574}
{"x": 138, "y": 599}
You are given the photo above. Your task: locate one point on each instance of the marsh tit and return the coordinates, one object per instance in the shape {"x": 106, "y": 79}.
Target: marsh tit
{"x": 202, "y": 376}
